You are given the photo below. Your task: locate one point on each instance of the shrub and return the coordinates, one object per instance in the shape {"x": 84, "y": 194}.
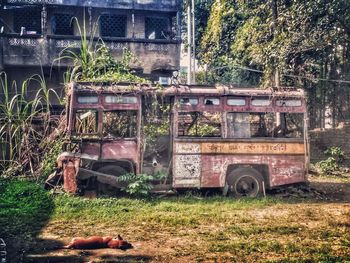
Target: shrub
{"x": 335, "y": 157}
{"x": 49, "y": 160}
{"x": 139, "y": 184}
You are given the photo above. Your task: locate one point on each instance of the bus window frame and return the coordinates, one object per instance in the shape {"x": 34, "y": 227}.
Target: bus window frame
{"x": 74, "y": 116}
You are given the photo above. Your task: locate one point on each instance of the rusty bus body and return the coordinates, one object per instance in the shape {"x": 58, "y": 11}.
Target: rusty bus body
{"x": 239, "y": 140}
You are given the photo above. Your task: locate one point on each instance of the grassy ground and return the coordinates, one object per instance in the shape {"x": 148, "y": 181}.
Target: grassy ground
{"x": 196, "y": 229}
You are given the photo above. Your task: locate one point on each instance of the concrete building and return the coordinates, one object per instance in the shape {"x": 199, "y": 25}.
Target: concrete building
{"x": 34, "y": 32}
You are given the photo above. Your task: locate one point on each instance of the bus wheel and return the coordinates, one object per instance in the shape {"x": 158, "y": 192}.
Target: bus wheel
{"x": 245, "y": 182}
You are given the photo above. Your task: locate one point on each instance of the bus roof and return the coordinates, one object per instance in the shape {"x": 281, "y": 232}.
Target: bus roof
{"x": 186, "y": 90}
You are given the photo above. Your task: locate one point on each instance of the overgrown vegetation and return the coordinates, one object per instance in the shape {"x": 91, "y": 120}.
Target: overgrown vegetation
{"x": 243, "y": 42}
{"x": 332, "y": 164}
{"x": 50, "y": 158}
{"x": 93, "y": 61}
{"x": 26, "y": 130}
{"x": 139, "y": 184}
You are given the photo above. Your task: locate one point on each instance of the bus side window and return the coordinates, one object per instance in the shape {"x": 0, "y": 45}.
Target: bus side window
{"x": 238, "y": 125}
{"x": 119, "y": 124}
{"x": 85, "y": 121}
{"x": 199, "y": 124}
{"x": 291, "y": 126}
{"x": 250, "y": 125}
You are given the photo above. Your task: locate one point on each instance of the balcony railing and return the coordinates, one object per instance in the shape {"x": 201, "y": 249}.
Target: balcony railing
{"x": 153, "y": 55}
{"x": 160, "y": 5}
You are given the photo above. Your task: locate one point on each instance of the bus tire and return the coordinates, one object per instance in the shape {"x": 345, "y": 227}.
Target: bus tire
{"x": 245, "y": 182}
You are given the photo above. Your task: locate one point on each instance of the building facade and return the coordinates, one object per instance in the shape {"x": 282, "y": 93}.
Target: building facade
{"x": 34, "y": 32}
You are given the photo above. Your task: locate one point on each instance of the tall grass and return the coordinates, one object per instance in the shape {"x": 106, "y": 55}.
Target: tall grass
{"x": 22, "y": 140}
{"x": 94, "y": 62}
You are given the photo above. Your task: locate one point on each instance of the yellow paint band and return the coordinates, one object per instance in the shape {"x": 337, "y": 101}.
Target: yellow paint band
{"x": 253, "y": 148}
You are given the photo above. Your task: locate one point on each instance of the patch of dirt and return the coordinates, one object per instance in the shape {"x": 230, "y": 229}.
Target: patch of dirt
{"x": 318, "y": 188}
{"x": 334, "y": 189}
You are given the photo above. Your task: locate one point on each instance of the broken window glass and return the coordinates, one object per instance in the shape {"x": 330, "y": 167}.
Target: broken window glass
{"x": 291, "y": 125}
{"x": 199, "y": 124}
{"x": 119, "y": 124}
{"x": 288, "y": 103}
{"x": 212, "y": 101}
{"x": 267, "y": 124}
{"x": 188, "y": 101}
{"x": 85, "y": 121}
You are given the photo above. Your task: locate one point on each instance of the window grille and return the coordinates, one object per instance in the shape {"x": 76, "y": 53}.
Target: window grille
{"x": 62, "y": 24}
{"x": 29, "y": 19}
{"x": 157, "y": 28}
{"x": 112, "y": 25}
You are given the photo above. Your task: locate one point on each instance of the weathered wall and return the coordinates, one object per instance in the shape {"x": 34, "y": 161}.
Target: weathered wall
{"x": 320, "y": 140}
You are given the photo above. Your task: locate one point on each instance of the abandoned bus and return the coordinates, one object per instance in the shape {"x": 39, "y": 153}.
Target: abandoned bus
{"x": 239, "y": 140}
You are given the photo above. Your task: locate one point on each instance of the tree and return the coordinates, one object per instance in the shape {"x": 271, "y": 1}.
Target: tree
{"x": 309, "y": 39}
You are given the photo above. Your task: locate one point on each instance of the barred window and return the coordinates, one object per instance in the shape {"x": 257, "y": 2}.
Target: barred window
{"x": 61, "y": 24}
{"x": 29, "y": 19}
{"x": 157, "y": 28}
{"x": 112, "y": 25}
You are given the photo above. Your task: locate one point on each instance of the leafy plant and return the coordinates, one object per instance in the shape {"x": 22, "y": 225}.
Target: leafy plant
{"x": 50, "y": 158}
{"x": 93, "y": 61}
{"x": 335, "y": 157}
{"x": 21, "y": 139}
{"x": 139, "y": 184}
{"x": 336, "y": 152}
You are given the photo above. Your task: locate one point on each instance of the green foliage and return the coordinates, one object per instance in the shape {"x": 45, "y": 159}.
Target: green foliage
{"x": 50, "y": 157}
{"x": 336, "y": 152}
{"x": 157, "y": 122}
{"x": 19, "y": 137}
{"x": 308, "y": 48}
{"x": 139, "y": 184}
{"x": 25, "y": 208}
{"x": 335, "y": 156}
{"x": 204, "y": 130}
{"x": 93, "y": 62}
{"x": 22, "y": 204}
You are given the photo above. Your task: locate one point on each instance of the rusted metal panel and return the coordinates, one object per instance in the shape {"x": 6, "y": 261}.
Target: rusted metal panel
{"x": 91, "y": 148}
{"x": 214, "y": 170}
{"x": 211, "y": 161}
{"x": 187, "y": 165}
{"x": 253, "y": 148}
{"x": 120, "y": 150}
{"x": 215, "y": 167}
{"x": 70, "y": 170}
{"x": 287, "y": 170}
{"x": 284, "y": 171}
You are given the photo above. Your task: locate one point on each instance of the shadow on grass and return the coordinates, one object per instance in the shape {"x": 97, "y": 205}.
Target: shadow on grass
{"x": 86, "y": 257}
{"x": 25, "y": 208}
